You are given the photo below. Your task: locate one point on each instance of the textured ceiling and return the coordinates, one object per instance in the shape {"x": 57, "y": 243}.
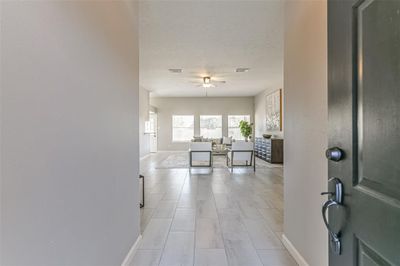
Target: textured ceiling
{"x": 211, "y": 38}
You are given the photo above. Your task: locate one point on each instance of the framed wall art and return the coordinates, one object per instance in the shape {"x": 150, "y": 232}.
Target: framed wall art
{"x": 273, "y": 108}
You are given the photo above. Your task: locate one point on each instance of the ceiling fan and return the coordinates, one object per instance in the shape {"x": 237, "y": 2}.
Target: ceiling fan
{"x": 209, "y": 82}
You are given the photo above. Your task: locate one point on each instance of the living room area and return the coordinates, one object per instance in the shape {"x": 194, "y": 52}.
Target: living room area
{"x": 214, "y": 126}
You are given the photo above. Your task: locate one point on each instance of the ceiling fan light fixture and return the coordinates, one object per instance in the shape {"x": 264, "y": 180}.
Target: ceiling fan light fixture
{"x": 206, "y": 80}
{"x": 209, "y": 85}
{"x": 242, "y": 69}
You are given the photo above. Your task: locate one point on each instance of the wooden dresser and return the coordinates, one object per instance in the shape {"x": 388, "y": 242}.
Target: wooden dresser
{"x": 270, "y": 150}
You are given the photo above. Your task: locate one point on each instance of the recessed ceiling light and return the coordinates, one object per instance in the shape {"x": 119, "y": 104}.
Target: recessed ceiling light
{"x": 242, "y": 69}
{"x": 175, "y": 70}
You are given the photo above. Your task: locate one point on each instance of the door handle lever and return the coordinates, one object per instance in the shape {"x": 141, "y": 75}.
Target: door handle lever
{"x": 334, "y": 237}
{"x": 336, "y": 195}
{"x": 335, "y": 199}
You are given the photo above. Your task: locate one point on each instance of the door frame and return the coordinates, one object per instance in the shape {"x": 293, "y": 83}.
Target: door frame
{"x": 154, "y": 133}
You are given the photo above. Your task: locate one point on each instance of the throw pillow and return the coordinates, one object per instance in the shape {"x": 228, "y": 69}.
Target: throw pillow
{"x": 227, "y": 140}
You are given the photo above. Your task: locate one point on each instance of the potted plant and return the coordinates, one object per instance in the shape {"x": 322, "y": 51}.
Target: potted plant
{"x": 246, "y": 129}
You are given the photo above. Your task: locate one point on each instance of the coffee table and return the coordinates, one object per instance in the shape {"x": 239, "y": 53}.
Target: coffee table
{"x": 219, "y": 149}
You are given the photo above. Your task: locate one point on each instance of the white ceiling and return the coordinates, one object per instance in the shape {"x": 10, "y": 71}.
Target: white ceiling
{"x": 211, "y": 38}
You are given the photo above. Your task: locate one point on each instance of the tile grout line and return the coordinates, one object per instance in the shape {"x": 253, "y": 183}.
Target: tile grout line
{"x": 248, "y": 235}
{"x": 195, "y": 221}
{"x": 170, "y": 226}
{"x": 220, "y": 228}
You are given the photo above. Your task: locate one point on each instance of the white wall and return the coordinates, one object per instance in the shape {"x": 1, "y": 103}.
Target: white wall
{"x": 144, "y": 108}
{"x": 69, "y": 137}
{"x": 260, "y": 114}
{"x": 166, "y": 107}
{"x": 305, "y": 82}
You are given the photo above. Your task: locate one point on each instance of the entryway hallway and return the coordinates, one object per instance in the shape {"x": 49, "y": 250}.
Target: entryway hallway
{"x": 219, "y": 218}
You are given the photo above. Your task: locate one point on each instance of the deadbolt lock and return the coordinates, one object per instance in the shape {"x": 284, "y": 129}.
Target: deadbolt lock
{"x": 334, "y": 154}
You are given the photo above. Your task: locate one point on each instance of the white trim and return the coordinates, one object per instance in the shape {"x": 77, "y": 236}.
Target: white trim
{"x": 145, "y": 156}
{"x": 129, "y": 257}
{"x": 293, "y": 251}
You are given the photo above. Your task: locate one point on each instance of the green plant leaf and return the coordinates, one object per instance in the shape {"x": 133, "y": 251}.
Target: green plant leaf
{"x": 246, "y": 128}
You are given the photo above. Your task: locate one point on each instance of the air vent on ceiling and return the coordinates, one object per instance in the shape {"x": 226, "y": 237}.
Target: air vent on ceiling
{"x": 242, "y": 69}
{"x": 175, "y": 70}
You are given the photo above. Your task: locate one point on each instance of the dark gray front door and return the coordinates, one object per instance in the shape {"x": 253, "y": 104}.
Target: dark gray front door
{"x": 364, "y": 122}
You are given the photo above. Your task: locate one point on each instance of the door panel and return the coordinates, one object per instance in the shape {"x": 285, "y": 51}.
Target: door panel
{"x": 377, "y": 192}
{"x": 364, "y": 121}
{"x": 378, "y": 33}
{"x": 368, "y": 257}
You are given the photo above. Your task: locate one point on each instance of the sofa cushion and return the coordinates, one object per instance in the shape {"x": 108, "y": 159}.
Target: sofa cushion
{"x": 197, "y": 139}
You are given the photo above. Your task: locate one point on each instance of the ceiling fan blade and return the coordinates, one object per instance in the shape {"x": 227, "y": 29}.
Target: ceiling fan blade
{"x": 212, "y": 74}
{"x": 195, "y": 77}
{"x": 219, "y": 81}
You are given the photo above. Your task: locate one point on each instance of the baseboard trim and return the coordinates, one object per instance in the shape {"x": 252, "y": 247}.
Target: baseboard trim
{"x": 145, "y": 156}
{"x": 293, "y": 251}
{"x": 129, "y": 257}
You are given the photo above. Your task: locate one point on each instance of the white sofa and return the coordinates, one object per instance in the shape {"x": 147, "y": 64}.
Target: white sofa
{"x": 200, "y": 152}
{"x": 242, "y": 152}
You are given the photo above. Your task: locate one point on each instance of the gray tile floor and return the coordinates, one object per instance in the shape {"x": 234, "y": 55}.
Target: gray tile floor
{"x": 219, "y": 218}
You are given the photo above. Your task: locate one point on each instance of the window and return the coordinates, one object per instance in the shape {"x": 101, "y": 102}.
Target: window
{"x": 182, "y": 127}
{"x": 233, "y": 125}
{"x": 147, "y": 127}
{"x": 211, "y": 126}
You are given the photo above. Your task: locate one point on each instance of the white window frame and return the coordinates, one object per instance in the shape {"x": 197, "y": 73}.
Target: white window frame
{"x": 173, "y": 127}
{"x": 247, "y": 118}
